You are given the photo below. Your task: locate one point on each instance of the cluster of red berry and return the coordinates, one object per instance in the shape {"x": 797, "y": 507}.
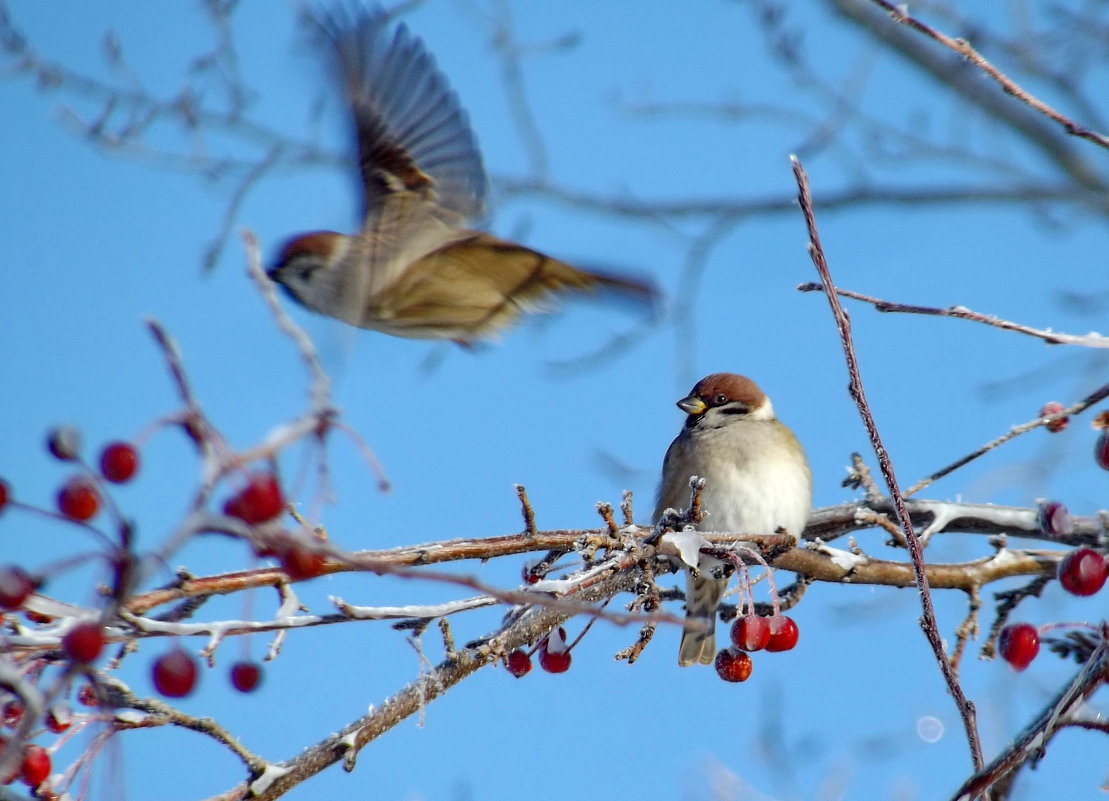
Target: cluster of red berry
{"x": 754, "y": 633}
{"x": 1082, "y": 572}
{"x": 79, "y": 499}
{"x": 81, "y": 644}
{"x": 749, "y": 633}
{"x": 33, "y": 766}
{"x": 175, "y": 674}
{"x": 554, "y": 655}
{"x": 260, "y": 501}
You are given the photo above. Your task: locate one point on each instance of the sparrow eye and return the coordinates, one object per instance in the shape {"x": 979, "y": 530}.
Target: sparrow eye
{"x": 720, "y": 399}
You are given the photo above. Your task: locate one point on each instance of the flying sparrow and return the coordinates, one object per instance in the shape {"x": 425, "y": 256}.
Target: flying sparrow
{"x": 757, "y": 481}
{"x": 415, "y": 270}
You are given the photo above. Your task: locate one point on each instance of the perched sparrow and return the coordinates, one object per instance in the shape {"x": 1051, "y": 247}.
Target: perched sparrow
{"x": 757, "y": 481}
{"x": 414, "y": 270}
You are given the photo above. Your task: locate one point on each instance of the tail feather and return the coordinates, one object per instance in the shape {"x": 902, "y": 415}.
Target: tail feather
{"x": 702, "y": 599}
{"x": 641, "y": 293}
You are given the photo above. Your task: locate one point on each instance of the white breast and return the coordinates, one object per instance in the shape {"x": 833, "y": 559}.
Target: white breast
{"x": 756, "y": 477}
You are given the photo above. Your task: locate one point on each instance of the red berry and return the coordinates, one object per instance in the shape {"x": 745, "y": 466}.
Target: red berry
{"x": 733, "y": 665}
{"x": 15, "y": 585}
{"x": 174, "y": 673}
{"x": 119, "y": 461}
{"x": 260, "y": 500}
{"x": 246, "y": 676}
{"x": 64, "y": 443}
{"x": 751, "y": 633}
{"x": 1101, "y": 449}
{"x": 86, "y": 696}
{"x": 35, "y": 768}
{"x": 518, "y": 663}
{"x": 1018, "y": 644}
{"x": 554, "y": 663}
{"x": 5, "y": 494}
{"x": 83, "y": 642}
{"x": 554, "y": 654}
{"x": 59, "y": 717}
{"x": 12, "y": 713}
{"x": 1082, "y": 572}
{"x": 77, "y": 499}
{"x": 783, "y": 633}
{"x": 1050, "y": 408}
{"x": 1054, "y": 519}
{"x": 300, "y": 563}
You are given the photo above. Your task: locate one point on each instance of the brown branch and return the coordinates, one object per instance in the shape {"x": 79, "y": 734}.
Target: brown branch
{"x": 968, "y": 629}
{"x": 928, "y": 617}
{"x": 160, "y": 714}
{"x": 837, "y": 566}
{"x": 964, "y": 49}
{"x": 527, "y": 510}
{"x": 827, "y": 524}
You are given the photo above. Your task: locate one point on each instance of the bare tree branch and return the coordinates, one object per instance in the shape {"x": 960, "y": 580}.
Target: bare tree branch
{"x": 928, "y": 618}
{"x": 964, "y": 49}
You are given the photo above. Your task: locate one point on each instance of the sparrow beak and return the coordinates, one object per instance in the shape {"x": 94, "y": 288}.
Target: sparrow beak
{"x": 692, "y": 405}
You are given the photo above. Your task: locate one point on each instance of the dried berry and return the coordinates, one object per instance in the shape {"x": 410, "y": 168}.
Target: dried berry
{"x": 733, "y": 665}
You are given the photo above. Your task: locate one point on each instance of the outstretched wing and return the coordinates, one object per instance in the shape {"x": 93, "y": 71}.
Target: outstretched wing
{"x": 412, "y": 133}
{"x": 422, "y": 175}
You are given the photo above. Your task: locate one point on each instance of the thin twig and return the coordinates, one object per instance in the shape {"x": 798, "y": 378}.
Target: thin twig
{"x": 160, "y": 714}
{"x": 235, "y": 202}
{"x": 1096, "y": 396}
{"x": 963, "y": 48}
{"x": 1092, "y": 340}
{"x": 509, "y": 53}
{"x": 527, "y": 510}
{"x": 968, "y": 629}
{"x": 606, "y": 512}
{"x": 626, "y": 508}
{"x": 321, "y": 381}
{"x": 928, "y": 617}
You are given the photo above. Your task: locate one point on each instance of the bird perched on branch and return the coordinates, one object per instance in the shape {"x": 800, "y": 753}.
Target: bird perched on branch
{"x": 415, "y": 270}
{"x": 757, "y": 481}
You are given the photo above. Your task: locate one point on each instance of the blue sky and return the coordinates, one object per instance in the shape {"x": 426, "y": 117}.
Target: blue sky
{"x": 97, "y": 242}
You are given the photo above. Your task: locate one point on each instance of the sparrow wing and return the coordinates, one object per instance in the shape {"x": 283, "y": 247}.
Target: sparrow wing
{"x": 413, "y": 135}
{"x": 478, "y": 284}
{"x": 677, "y": 467}
{"x": 421, "y": 171}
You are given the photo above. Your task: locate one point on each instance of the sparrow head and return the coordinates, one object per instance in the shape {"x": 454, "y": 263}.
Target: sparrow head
{"x": 307, "y": 269}
{"x": 721, "y": 398}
